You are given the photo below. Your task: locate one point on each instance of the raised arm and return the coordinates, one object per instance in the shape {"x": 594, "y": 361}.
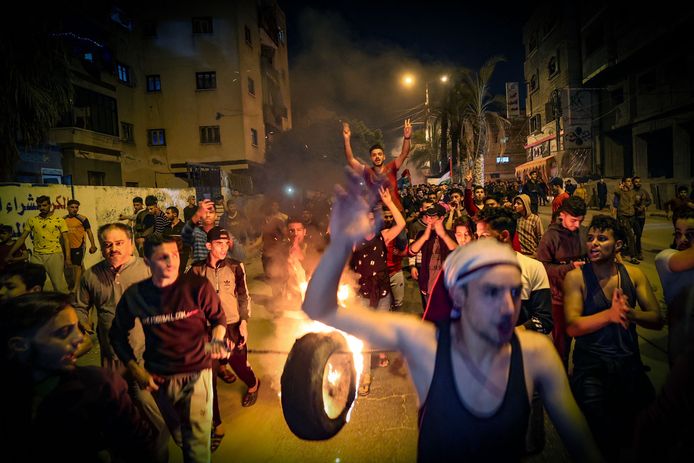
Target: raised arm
{"x": 406, "y": 144}
{"x": 351, "y": 161}
{"x": 389, "y": 234}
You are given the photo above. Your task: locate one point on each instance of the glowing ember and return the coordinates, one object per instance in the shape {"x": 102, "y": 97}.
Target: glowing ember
{"x": 333, "y": 375}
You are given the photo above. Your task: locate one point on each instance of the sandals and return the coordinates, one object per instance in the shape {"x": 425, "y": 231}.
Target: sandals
{"x": 250, "y": 397}
{"x": 226, "y": 375}
{"x": 365, "y": 386}
{"x": 216, "y": 439}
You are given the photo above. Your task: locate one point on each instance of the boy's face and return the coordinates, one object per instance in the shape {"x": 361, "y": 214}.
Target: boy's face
{"x": 55, "y": 343}
{"x": 12, "y": 286}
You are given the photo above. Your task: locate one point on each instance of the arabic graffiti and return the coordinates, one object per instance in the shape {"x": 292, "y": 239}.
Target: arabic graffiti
{"x": 20, "y": 207}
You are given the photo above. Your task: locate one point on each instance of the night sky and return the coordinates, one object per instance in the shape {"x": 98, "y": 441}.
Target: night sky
{"x": 347, "y": 57}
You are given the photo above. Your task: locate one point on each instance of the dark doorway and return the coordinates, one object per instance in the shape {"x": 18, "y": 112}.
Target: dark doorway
{"x": 660, "y": 156}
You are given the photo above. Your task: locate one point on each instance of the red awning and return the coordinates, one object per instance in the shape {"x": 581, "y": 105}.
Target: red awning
{"x": 540, "y": 164}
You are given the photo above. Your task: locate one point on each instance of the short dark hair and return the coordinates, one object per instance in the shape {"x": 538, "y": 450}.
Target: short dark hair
{"x": 456, "y": 190}
{"x": 137, "y": 199}
{"x": 43, "y": 199}
{"x": 683, "y": 213}
{"x": 377, "y": 146}
{"x": 173, "y": 209}
{"x": 30, "y": 273}
{"x": 491, "y": 196}
{"x": 73, "y": 201}
{"x": 465, "y": 221}
{"x": 679, "y": 188}
{"x": 499, "y": 218}
{"x": 624, "y": 179}
{"x": 295, "y": 219}
{"x": 604, "y": 222}
{"x": 557, "y": 181}
{"x": 151, "y": 200}
{"x": 28, "y": 312}
{"x": 110, "y": 226}
{"x": 154, "y": 241}
{"x": 635, "y": 177}
{"x": 574, "y": 206}
{"x": 477, "y": 187}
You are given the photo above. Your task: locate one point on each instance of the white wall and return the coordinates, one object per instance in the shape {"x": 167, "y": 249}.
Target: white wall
{"x": 100, "y": 204}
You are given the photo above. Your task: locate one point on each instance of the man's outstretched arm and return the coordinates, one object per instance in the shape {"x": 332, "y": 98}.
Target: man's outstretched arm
{"x": 351, "y": 161}
{"x": 406, "y": 144}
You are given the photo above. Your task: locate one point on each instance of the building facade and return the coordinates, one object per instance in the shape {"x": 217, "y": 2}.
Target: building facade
{"x": 159, "y": 91}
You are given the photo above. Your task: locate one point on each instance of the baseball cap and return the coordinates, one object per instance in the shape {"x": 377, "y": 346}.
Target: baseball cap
{"x": 461, "y": 266}
{"x": 435, "y": 210}
{"x": 218, "y": 233}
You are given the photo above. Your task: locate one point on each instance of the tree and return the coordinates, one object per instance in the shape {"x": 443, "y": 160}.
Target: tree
{"x": 479, "y": 117}
{"x": 35, "y": 87}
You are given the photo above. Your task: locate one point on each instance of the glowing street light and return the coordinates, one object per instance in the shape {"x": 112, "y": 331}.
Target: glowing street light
{"x": 408, "y": 80}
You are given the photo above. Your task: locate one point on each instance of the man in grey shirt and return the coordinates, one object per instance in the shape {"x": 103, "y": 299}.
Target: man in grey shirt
{"x": 102, "y": 287}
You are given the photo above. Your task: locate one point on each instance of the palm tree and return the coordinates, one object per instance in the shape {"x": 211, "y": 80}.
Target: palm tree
{"x": 35, "y": 89}
{"x": 469, "y": 118}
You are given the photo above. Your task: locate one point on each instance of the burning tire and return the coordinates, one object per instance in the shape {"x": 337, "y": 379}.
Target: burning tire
{"x": 318, "y": 385}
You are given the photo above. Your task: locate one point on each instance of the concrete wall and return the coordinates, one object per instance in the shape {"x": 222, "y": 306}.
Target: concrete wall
{"x": 100, "y": 205}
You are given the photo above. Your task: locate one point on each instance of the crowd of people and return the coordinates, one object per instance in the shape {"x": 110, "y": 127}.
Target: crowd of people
{"x": 515, "y": 317}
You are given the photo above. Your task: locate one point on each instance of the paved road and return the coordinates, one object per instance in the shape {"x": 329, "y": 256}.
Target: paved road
{"x": 383, "y": 426}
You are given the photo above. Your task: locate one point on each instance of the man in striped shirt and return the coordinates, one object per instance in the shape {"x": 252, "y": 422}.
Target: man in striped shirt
{"x": 161, "y": 223}
{"x": 529, "y": 225}
{"x": 194, "y": 233}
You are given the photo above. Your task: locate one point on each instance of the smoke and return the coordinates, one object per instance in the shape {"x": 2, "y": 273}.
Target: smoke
{"x": 340, "y": 74}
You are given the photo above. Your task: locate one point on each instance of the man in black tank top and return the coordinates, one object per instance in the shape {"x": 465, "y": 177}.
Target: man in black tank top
{"x": 473, "y": 371}
{"x": 608, "y": 380}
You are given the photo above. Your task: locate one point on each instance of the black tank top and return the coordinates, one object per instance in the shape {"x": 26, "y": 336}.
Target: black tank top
{"x": 449, "y": 432}
{"x": 611, "y": 341}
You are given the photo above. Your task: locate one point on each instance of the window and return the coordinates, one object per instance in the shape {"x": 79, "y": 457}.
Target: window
{"x": 96, "y": 178}
{"x": 247, "y": 35}
{"x": 92, "y": 111}
{"x": 209, "y": 134}
{"x": 536, "y": 123}
{"x": 533, "y": 83}
{"x": 126, "y": 132}
{"x": 502, "y": 160}
{"x": 202, "y": 25}
{"x": 154, "y": 83}
{"x": 251, "y": 86}
{"x": 205, "y": 80}
{"x": 553, "y": 65}
{"x": 281, "y": 36}
{"x": 617, "y": 96}
{"x": 123, "y": 72}
{"x": 156, "y": 137}
{"x": 254, "y": 137}
{"x": 88, "y": 57}
{"x": 149, "y": 28}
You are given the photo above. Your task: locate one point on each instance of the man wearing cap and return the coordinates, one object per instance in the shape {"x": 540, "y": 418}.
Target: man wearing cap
{"x": 435, "y": 243}
{"x": 228, "y": 277}
{"x": 562, "y": 249}
{"x": 475, "y": 357}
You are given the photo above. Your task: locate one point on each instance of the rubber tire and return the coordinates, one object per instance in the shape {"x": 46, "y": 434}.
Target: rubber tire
{"x": 302, "y": 386}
